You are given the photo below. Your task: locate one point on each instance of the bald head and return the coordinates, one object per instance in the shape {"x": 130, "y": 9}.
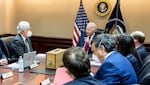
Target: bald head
{"x": 139, "y": 36}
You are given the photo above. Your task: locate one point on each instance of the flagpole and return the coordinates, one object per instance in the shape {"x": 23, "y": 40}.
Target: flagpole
{"x": 116, "y": 22}
{"x": 80, "y": 1}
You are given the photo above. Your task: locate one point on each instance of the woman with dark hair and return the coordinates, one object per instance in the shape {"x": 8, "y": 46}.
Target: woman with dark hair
{"x": 127, "y": 48}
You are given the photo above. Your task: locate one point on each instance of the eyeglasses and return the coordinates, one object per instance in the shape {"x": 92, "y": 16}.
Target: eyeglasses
{"x": 100, "y": 43}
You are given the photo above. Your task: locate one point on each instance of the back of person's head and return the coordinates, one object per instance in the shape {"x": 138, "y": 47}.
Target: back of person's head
{"x": 139, "y": 36}
{"x": 107, "y": 40}
{"x": 125, "y": 44}
{"x": 22, "y": 25}
{"x": 77, "y": 62}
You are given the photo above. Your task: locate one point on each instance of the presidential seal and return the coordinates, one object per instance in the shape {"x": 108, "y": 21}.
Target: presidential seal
{"x": 102, "y": 7}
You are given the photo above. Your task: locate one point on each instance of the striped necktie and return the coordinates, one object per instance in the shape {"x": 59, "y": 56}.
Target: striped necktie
{"x": 27, "y": 45}
{"x": 86, "y": 45}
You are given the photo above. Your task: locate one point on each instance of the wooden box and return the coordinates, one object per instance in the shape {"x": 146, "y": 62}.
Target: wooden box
{"x": 54, "y": 58}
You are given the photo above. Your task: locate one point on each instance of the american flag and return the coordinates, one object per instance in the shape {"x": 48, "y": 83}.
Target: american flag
{"x": 79, "y": 25}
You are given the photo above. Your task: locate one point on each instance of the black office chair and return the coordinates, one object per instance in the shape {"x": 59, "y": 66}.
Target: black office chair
{"x": 100, "y": 31}
{"x": 5, "y": 45}
{"x": 146, "y": 58}
{"x": 144, "y": 72}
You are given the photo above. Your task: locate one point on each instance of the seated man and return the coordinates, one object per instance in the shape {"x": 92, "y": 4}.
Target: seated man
{"x": 3, "y": 59}
{"x": 115, "y": 68}
{"x": 91, "y": 29}
{"x": 21, "y": 43}
{"x": 139, "y": 38}
{"x": 78, "y": 67}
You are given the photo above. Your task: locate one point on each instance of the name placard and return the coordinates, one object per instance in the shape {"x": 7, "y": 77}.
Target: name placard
{"x": 7, "y": 75}
{"x": 45, "y": 82}
{"x": 37, "y": 61}
{"x": 33, "y": 65}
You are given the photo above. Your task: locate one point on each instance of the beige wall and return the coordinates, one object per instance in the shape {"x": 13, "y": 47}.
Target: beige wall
{"x": 55, "y": 18}
{"x": 7, "y": 16}
{"x": 2, "y": 17}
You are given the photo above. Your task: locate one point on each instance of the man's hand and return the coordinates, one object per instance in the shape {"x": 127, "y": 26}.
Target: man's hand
{"x": 87, "y": 40}
{"x": 3, "y": 62}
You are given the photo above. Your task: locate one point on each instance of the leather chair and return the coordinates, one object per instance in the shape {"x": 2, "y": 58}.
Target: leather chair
{"x": 5, "y": 46}
{"x": 146, "y": 58}
{"x": 144, "y": 72}
{"x": 100, "y": 31}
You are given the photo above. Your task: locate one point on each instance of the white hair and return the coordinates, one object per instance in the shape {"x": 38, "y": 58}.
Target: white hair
{"x": 138, "y": 33}
{"x": 22, "y": 25}
{"x": 93, "y": 25}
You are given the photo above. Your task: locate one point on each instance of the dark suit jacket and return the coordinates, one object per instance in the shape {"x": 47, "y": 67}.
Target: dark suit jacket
{"x": 2, "y": 55}
{"x": 134, "y": 61}
{"x": 89, "y": 80}
{"x": 81, "y": 42}
{"x": 116, "y": 70}
{"x": 142, "y": 51}
{"x": 18, "y": 47}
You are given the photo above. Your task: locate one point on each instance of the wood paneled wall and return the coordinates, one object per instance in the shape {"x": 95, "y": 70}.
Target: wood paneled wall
{"x": 44, "y": 44}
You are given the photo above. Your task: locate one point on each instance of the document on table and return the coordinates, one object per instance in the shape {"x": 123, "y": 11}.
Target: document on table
{"x": 13, "y": 65}
{"x": 95, "y": 63}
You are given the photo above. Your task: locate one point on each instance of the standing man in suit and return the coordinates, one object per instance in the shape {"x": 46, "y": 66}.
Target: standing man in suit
{"x": 86, "y": 40}
{"x": 139, "y": 38}
{"x": 21, "y": 43}
{"x": 115, "y": 68}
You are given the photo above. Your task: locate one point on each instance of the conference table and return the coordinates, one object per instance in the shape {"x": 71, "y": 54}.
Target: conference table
{"x": 24, "y": 78}
{"x": 27, "y": 77}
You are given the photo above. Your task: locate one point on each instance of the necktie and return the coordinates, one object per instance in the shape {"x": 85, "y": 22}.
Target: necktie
{"x": 27, "y": 45}
{"x": 86, "y": 46}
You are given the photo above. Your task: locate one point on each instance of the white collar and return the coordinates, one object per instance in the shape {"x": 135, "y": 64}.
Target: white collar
{"x": 91, "y": 38}
{"x": 138, "y": 46}
{"x": 24, "y": 38}
{"x": 108, "y": 55}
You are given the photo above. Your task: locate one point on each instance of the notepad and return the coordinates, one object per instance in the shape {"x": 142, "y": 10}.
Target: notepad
{"x": 95, "y": 63}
